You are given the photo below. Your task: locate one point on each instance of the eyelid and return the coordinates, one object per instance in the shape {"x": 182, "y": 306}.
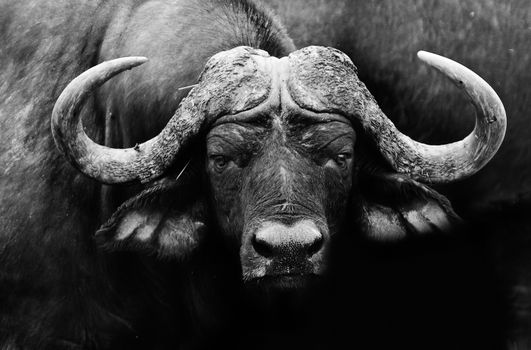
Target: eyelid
{"x": 340, "y": 144}
{"x": 216, "y": 151}
{"x": 334, "y": 150}
{"x": 214, "y": 156}
{"x": 222, "y": 147}
{"x": 346, "y": 151}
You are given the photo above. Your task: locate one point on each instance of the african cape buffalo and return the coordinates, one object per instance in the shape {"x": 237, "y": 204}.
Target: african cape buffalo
{"x": 277, "y": 178}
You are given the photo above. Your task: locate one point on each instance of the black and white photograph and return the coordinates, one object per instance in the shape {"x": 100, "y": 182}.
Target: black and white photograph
{"x": 265, "y": 174}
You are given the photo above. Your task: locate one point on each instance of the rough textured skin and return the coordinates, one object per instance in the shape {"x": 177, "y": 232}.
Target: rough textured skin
{"x": 227, "y": 88}
{"x": 326, "y": 80}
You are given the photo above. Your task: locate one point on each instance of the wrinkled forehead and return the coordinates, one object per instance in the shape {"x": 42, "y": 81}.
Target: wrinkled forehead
{"x": 244, "y": 83}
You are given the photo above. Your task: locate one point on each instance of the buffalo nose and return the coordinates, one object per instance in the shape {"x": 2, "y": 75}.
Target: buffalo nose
{"x": 274, "y": 240}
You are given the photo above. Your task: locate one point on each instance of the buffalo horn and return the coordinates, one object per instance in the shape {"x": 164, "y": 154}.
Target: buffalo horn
{"x": 143, "y": 162}
{"x": 453, "y": 161}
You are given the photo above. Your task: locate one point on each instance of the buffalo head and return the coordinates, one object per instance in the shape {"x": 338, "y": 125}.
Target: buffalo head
{"x": 283, "y": 159}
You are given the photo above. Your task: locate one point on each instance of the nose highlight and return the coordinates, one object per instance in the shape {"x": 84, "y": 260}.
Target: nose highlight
{"x": 274, "y": 240}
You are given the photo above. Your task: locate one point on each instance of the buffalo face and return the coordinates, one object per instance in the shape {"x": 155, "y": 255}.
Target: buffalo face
{"x": 280, "y": 161}
{"x": 280, "y": 187}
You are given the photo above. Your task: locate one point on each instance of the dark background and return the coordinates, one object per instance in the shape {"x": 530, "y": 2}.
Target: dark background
{"x": 469, "y": 290}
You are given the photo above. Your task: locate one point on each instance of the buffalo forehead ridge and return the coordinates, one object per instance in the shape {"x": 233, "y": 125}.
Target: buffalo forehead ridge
{"x": 248, "y": 80}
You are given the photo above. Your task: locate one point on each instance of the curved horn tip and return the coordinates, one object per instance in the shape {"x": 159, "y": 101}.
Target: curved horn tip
{"x": 445, "y": 64}
{"x": 67, "y": 129}
{"x": 117, "y": 64}
{"x": 132, "y": 60}
{"x": 140, "y": 59}
{"x": 427, "y": 56}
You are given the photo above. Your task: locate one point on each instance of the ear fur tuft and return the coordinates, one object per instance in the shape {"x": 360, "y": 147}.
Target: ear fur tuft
{"x": 164, "y": 220}
{"x": 395, "y": 207}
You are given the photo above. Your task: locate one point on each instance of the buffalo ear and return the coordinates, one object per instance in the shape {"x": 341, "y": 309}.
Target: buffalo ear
{"x": 165, "y": 220}
{"x": 394, "y": 207}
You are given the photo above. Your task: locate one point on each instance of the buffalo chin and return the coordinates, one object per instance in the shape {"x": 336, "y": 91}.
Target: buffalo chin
{"x": 282, "y": 295}
{"x": 283, "y": 282}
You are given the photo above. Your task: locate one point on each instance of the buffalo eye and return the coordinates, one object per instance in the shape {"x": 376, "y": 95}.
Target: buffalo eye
{"x": 219, "y": 162}
{"x": 342, "y": 159}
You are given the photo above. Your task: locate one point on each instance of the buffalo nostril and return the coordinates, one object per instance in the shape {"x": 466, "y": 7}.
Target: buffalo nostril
{"x": 262, "y": 247}
{"x": 315, "y": 246}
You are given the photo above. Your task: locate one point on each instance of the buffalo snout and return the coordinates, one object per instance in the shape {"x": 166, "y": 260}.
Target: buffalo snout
{"x": 278, "y": 250}
{"x": 288, "y": 243}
